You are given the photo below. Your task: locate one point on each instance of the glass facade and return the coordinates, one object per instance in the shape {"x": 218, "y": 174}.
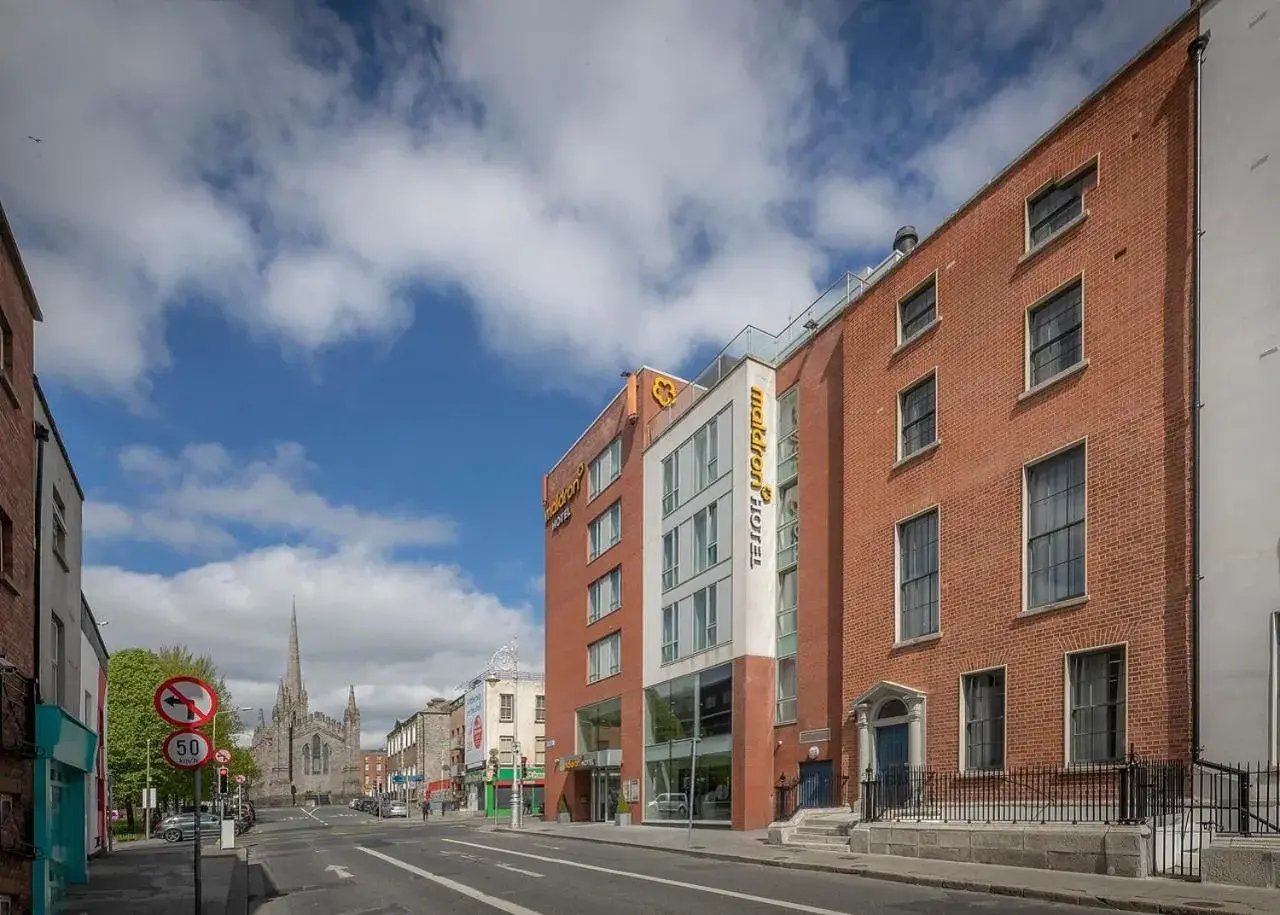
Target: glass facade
{"x": 600, "y": 726}
{"x": 699, "y": 705}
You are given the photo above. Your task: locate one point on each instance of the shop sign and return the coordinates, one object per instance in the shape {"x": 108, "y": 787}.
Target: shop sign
{"x": 761, "y": 492}
{"x": 558, "y": 506}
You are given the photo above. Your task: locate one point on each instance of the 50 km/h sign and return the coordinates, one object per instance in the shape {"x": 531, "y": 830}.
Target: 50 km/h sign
{"x": 187, "y": 749}
{"x": 186, "y": 702}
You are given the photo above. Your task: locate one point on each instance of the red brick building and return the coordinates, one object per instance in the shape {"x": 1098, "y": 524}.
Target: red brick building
{"x": 373, "y": 771}
{"x": 985, "y": 442}
{"x": 18, "y": 314}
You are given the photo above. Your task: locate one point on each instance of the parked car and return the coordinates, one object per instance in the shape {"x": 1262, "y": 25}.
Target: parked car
{"x": 669, "y": 805}
{"x": 395, "y": 809}
{"x": 180, "y": 826}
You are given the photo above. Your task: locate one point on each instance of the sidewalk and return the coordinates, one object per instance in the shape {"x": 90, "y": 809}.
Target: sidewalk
{"x": 1168, "y": 897}
{"x": 153, "y": 877}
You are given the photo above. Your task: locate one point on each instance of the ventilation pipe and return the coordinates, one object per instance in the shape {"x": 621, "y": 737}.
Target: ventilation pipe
{"x": 906, "y": 239}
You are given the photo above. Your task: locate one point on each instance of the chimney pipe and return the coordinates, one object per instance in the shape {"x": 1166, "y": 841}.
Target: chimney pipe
{"x": 905, "y": 240}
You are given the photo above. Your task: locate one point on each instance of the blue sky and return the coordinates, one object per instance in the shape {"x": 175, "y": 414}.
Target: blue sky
{"x": 328, "y": 289}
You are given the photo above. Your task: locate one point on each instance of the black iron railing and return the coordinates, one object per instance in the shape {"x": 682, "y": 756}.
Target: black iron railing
{"x": 790, "y": 795}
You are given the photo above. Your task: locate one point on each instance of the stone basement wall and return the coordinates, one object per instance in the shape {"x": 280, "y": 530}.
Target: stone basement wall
{"x": 1241, "y": 861}
{"x": 1120, "y": 851}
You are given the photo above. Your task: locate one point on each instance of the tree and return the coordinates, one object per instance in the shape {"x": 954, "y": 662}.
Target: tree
{"x": 132, "y": 677}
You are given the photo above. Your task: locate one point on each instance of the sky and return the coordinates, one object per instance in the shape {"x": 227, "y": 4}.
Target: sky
{"x": 327, "y": 288}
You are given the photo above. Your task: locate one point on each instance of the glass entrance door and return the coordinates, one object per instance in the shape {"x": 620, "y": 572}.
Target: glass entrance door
{"x": 606, "y": 787}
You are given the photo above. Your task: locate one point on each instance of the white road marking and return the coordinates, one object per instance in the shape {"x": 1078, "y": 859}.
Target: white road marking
{"x": 342, "y": 872}
{"x": 311, "y": 814}
{"x": 502, "y": 905}
{"x": 545, "y": 845}
{"x": 518, "y": 870}
{"x": 731, "y": 894}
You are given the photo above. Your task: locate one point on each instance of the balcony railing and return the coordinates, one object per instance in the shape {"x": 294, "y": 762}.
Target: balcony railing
{"x": 769, "y": 348}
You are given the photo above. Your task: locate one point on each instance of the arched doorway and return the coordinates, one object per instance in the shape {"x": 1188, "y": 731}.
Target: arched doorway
{"x": 890, "y": 720}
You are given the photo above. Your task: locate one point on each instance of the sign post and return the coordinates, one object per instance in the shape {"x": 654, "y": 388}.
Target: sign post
{"x": 187, "y": 703}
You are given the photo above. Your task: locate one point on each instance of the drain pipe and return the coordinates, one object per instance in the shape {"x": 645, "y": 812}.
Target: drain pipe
{"x": 42, "y": 438}
{"x": 1196, "y": 52}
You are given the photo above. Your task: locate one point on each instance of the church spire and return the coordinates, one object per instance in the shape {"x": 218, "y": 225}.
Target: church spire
{"x": 293, "y": 672}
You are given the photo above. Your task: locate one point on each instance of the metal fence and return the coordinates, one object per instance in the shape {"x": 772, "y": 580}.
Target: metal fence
{"x": 790, "y": 795}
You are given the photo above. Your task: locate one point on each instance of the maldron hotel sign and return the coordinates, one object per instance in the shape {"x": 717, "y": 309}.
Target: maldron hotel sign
{"x": 557, "y": 509}
{"x": 761, "y": 492}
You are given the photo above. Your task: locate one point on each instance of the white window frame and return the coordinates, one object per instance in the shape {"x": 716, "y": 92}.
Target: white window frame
{"x": 597, "y": 606}
{"x": 706, "y": 447}
{"x": 506, "y": 707}
{"x": 785, "y": 612}
{"x": 608, "y": 461}
{"x": 1027, "y": 468}
{"x": 671, "y": 559}
{"x": 539, "y": 751}
{"x": 903, "y": 453}
{"x": 788, "y": 436}
{"x": 785, "y": 709}
{"x": 1029, "y": 384}
{"x": 929, "y": 281}
{"x": 59, "y": 527}
{"x": 1003, "y": 669}
{"x": 596, "y": 653}
{"x": 57, "y": 658}
{"x": 898, "y": 634}
{"x": 706, "y": 553}
{"x": 596, "y": 545}
{"x": 1066, "y": 701}
{"x": 1051, "y": 185}
{"x": 670, "y": 633}
{"x": 670, "y": 483}
{"x": 705, "y": 618}
{"x": 540, "y": 709}
{"x": 785, "y": 526}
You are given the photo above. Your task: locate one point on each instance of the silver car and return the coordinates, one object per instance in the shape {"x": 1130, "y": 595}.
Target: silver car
{"x": 179, "y": 826}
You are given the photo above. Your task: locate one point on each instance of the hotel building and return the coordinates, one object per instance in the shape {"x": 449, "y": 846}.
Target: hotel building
{"x": 941, "y": 520}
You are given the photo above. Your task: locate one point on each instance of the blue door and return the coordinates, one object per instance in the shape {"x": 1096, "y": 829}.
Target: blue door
{"x": 816, "y": 779}
{"x": 891, "y": 764}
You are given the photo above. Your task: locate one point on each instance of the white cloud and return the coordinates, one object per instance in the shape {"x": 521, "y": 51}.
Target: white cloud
{"x": 403, "y": 633}
{"x": 602, "y": 178}
{"x": 190, "y": 501}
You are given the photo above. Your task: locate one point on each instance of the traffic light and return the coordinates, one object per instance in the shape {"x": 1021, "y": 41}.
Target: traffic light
{"x": 224, "y": 782}
{"x": 524, "y": 767}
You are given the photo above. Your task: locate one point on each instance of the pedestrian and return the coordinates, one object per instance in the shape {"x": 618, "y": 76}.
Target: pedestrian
{"x": 426, "y": 809}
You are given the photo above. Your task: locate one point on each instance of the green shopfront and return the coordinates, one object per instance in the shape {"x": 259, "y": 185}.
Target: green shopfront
{"x": 66, "y": 751}
{"x": 697, "y": 709}
{"x": 496, "y": 793}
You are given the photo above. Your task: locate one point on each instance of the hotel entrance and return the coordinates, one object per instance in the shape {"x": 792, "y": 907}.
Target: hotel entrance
{"x": 606, "y": 788}
{"x": 595, "y": 782}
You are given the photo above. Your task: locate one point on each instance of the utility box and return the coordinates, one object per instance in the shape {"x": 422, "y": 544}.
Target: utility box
{"x": 228, "y": 839}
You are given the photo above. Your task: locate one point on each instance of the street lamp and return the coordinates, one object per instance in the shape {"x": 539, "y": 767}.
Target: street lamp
{"x": 507, "y": 659}
{"x": 223, "y": 711}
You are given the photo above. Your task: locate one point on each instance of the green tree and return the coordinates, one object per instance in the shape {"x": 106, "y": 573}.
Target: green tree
{"x": 132, "y": 677}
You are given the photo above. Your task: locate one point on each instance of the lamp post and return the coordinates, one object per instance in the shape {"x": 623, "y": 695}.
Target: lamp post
{"x": 507, "y": 659}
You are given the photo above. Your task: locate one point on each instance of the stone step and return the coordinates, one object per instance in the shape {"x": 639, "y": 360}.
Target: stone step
{"x": 825, "y": 843}
{"x": 823, "y": 830}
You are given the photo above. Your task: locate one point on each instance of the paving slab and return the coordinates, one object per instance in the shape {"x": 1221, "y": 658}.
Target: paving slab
{"x": 152, "y": 877}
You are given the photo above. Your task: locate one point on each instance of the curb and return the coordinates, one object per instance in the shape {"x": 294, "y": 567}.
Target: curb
{"x": 1122, "y": 903}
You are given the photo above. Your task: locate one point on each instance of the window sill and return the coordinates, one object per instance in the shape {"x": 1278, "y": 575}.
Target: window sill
{"x": 1053, "y": 380}
{"x": 1070, "y": 603}
{"x": 1053, "y": 239}
{"x": 7, "y": 384}
{"x": 915, "y": 338}
{"x": 918, "y": 640}
{"x": 602, "y": 616}
{"x": 604, "y": 552}
{"x": 8, "y": 584}
{"x": 603, "y": 489}
{"x": 916, "y": 455}
{"x": 786, "y": 724}
{"x": 591, "y": 682}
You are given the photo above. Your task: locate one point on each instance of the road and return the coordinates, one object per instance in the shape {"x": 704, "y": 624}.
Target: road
{"x": 334, "y": 861}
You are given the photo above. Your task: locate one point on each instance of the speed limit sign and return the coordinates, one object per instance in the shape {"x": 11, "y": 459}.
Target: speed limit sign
{"x": 187, "y": 749}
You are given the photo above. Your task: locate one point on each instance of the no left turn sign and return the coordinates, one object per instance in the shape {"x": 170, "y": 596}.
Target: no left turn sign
{"x": 185, "y": 702}
{"x": 222, "y": 756}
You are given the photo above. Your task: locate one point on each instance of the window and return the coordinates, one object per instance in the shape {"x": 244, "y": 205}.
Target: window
{"x": 1055, "y": 335}
{"x": 705, "y": 447}
{"x": 1055, "y": 529}
{"x": 788, "y": 525}
{"x": 604, "y": 657}
{"x": 539, "y": 751}
{"x": 506, "y": 707}
{"x": 1054, "y": 208}
{"x": 539, "y": 709}
{"x": 59, "y": 526}
{"x": 705, "y": 530}
{"x": 789, "y": 434}
{"x": 983, "y": 697}
{"x": 57, "y": 657}
{"x": 306, "y": 759}
{"x": 785, "y": 713}
{"x": 917, "y": 408}
{"x": 670, "y": 558}
{"x": 1097, "y": 680}
{"x": 670, "y": 633}
{"x": 704, "y": 618}
{"x": 506, "y": 751}
{"x": 788, "y": 594}
{"x": 604, "y": 531}
{"x": 671, "y": 482}
{"x": 606, "y": 468}
{"x": 918, "y": 311}
{"x": 918, "y": 576}
{"x": 604, "y": 595}
{"x": 326, "y": 759}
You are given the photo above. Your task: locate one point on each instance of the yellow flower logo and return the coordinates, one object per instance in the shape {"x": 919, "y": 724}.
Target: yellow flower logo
{"x": 664, "y": 392}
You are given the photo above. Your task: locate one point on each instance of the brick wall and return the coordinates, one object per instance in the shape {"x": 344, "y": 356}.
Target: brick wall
{"x": 17, "y": 609}
{"x": 1130, "y": 404}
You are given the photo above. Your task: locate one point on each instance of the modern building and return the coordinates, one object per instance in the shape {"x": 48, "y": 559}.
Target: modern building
{"x": 67, "y": 725}
{"x": 1238, "y": 494}
{"x": 373, "y": 768}
{"x": 505, "y": 712}
{"x": 93, "y": 684}
{"x": 418, "y": 750}
{"x": 18, "y": 581}
{"x": 985, "y": 442}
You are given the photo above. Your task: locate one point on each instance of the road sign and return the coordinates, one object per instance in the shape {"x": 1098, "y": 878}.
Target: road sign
{"x": 187, "y": 749}
{"x": 240, "y": 779}
{"x": 186, "y": 702}
{"x": 223, "y": 771}
{"x": 223, "y": 756}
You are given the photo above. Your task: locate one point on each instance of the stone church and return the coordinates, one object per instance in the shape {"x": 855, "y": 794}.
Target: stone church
{"x": 304, "y": 754}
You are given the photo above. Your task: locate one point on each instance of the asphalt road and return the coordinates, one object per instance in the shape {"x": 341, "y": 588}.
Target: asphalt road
{"x": 332, "y": 861}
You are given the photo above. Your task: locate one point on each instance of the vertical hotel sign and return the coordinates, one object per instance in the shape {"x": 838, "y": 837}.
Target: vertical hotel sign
{"x": 761, "y": 492}
{"x": 557, "y": 508}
